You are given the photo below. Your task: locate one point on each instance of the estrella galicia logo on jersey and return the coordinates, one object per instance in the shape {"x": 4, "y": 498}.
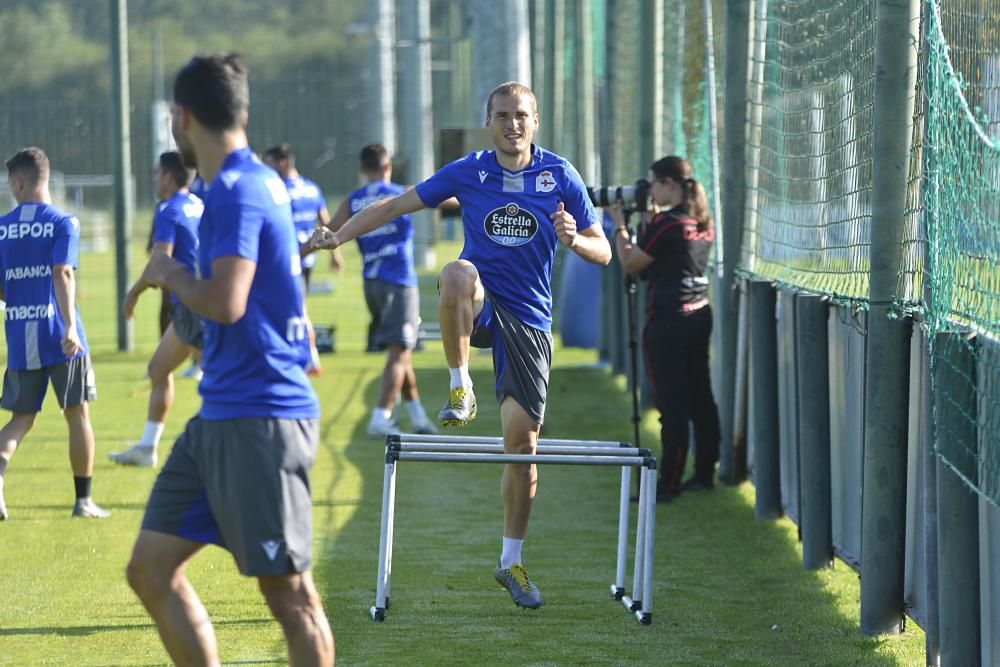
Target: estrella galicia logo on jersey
{"x": 510, "y": 225}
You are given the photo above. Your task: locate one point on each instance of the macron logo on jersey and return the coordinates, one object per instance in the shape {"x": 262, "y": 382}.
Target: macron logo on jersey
{"x": 483, "y": 175}
{"x": 41, "y": 311}
{"x": 230, "y": 176}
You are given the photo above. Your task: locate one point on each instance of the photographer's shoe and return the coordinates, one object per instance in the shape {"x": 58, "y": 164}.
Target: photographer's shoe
{"x": 461, "y": 407}
{"x": 695, "y": 484}
{"x": 515, "y": 581}
{"x": 88, "y": 509}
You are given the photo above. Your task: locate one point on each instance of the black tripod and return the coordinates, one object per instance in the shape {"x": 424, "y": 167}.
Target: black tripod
{"x": 632, "y": 291}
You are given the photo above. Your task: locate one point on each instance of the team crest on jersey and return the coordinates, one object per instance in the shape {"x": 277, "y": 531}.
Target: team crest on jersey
{"x": 510, "y": 225}
{"x": 544, "y": 182}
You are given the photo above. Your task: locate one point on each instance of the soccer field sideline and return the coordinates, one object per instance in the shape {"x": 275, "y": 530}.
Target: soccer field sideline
{"x": 729, "y": 590}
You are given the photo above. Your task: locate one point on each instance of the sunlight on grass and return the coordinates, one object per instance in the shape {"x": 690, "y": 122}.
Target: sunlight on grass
{"x": 728, "y": 590}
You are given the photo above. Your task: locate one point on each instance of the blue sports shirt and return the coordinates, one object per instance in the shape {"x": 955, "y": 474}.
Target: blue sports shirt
{"x": 509, "y": 235}
{"x": 198, "y": 187}
{"x": 256, "y": 366}
{"x": 387, "y": 252}
{"x": 307, "y": 202}
{"x": 176, "y": 222}
{"x": 35, "y": 237}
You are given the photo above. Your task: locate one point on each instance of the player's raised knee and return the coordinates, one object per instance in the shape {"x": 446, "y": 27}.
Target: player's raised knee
{"x": 457, "y": 280}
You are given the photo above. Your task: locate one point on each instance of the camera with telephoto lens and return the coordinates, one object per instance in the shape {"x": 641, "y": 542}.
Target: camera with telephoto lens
{"x": 631, "y": 197}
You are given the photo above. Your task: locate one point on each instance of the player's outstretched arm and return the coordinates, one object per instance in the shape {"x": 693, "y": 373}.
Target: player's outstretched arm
{"x": 341, "y": 215}
{"x": 221, "y": 298}
{"x": 368, "y": 219}
{"x": 140, "y": 286}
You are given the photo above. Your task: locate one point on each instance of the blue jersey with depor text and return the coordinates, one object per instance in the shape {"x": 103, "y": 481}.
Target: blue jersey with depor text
{"x": 255, "y": 367}
{"x": 176, "y": 222}
{"x": 34, "y": 237}
{"x": 387, "y": 252}
{"x": 509, "y": 235}
{"x": 307, "y": 202}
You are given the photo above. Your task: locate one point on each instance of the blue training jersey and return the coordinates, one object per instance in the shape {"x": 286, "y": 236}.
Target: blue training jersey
{"x": 387, "y": 252}
{"x": 33, "y": 238}
{"x": 176, "y": 222}
{"x": 256, "y": 366}
{"x": 509, "y": 235}
{"x": 198, "y": 187}
{"x": 307, "y": 202}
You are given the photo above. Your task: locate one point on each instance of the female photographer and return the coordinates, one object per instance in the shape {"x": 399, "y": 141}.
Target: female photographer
{"x": 672, "y": 251}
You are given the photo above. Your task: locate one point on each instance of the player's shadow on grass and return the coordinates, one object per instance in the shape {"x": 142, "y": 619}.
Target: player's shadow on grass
{"x": 728, "y": 588}
{"x": 85, "y": 630}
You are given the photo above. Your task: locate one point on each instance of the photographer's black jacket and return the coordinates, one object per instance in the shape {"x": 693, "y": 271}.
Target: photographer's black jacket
{"x": 677, "y": 281}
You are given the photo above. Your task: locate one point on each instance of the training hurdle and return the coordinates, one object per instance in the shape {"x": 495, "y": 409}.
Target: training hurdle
{"x": 456, "y": 449}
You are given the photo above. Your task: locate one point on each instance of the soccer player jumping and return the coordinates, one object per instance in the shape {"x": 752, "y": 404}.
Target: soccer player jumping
{"x": 518, "y": 202}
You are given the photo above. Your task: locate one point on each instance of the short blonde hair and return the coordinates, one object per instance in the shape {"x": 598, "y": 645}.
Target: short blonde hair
{"x": 510, "y": 89}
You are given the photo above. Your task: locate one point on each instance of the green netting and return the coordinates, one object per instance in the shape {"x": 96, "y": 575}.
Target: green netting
{"x": 624, "y": 82}
{"x": 962, "y": 217}
{"x": 810, "y": 144}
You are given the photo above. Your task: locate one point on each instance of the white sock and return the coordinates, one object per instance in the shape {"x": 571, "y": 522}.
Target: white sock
{"x": 416, "y": 411}
{"x": 151, "y": 435}
{"x": 460, "y": 377}
{"x": 511, "y": 553}
{"x": 381, "y": 414}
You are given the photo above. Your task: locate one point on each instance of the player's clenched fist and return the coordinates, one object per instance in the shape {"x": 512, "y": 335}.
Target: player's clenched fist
{"x": 323, "y": 238}
{"x": 565, "y": 225}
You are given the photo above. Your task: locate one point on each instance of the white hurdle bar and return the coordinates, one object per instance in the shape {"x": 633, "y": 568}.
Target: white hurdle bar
{"x": 453, "y": 449}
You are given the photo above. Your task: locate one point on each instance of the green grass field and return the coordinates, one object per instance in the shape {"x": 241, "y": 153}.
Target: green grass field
{"x": 729, "y": 590}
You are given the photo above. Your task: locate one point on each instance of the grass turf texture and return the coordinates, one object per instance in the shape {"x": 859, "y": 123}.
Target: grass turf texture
{"x": 729, "y": 590}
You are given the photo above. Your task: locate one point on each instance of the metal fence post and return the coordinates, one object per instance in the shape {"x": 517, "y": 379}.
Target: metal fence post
{"x": 122, "y": 165}
{"x": 814, "y": 431}
{"x": 415, "y": 122}
{"x": 886, "y": 387}
{"x": 732, "y": 465}
{"x": 764, "y": 377}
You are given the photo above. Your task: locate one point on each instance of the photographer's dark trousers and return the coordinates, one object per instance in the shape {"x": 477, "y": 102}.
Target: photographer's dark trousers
{"x": 676, "y": 355}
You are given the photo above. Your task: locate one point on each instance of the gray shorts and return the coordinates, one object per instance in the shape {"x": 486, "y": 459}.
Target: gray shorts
{"x": 522, "y": 357}
{"x": 187, "y": 325}
{"x": 72, "y": 381}
{"x": 396, "y": 310}
{"x": 242, "y": 484}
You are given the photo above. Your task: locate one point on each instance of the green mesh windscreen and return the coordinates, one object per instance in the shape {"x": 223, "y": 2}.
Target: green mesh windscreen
{"x": 810, "y": 146}
{"x": 962, "y": 218}
{"x": 624, "y": 81}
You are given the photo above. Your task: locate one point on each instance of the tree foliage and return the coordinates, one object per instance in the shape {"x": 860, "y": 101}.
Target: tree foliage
{"x": 305, "y": 66}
